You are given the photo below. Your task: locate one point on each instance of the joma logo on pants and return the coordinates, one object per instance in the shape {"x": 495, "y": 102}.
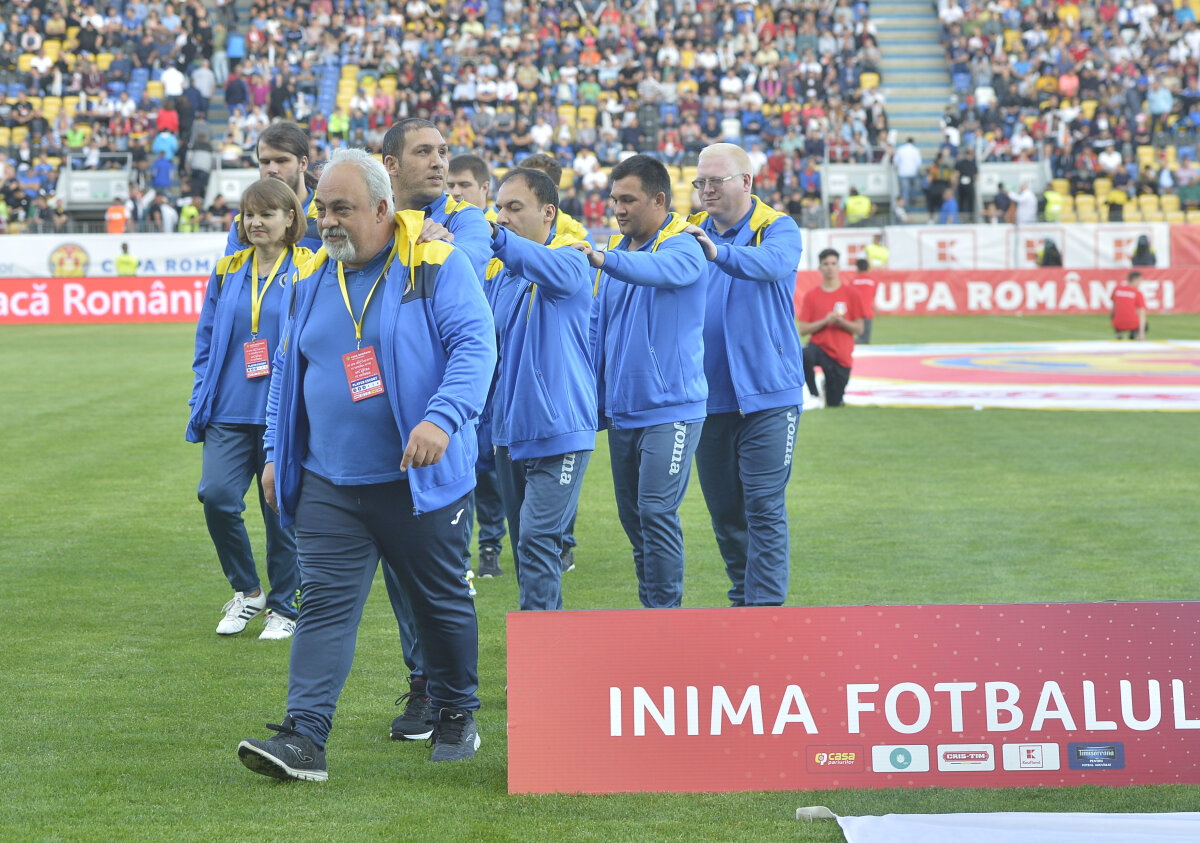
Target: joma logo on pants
{"x": 791, "y": 439}
{"x": 568, "y": 466}
{"x": 678, "y": 447}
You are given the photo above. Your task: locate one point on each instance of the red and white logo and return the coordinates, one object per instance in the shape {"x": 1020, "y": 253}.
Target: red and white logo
{"x": 1031, "y": 756}
{"x": 966, "y": 757}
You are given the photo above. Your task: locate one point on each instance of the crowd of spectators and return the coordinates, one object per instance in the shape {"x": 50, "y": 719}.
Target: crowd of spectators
{"x": 587, "y": 81}
{"x": 1102, "y": 91}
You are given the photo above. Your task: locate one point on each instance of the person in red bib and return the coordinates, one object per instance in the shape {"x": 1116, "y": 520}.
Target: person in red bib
{"x": 865, "y": 285}
{"x": 1129, "y": 310}
{"x": 832, "y": 316}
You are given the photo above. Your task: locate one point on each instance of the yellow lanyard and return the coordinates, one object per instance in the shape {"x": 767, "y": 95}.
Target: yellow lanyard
{"x": 256, "y": 298}
{"x": 358, "y": 322}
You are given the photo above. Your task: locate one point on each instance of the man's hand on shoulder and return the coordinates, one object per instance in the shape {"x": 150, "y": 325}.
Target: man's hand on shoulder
{"x": 433, "y": 230}
{"x": 595, "y": 256}
{"x": 709, "y": 247}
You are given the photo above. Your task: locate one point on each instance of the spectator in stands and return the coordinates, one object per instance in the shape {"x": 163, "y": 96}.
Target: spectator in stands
{"x": 1143, "y": 253}
{"x": 858, "y": 208}
{"x": 907, "y": 161}
{"x": 1026, "y": 203}
{"x": 948, "y": 212}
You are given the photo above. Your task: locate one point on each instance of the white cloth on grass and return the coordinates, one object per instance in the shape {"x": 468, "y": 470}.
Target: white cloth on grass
{"x": 1028, "y": 827}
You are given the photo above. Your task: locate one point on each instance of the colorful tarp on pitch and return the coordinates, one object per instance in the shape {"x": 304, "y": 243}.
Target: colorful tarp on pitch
{"x": 1060, "y": 375}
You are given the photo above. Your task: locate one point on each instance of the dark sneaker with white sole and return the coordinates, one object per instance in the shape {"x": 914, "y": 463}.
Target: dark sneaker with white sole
{"x": 416, "y": 723}
{"x": 455, "y": 737}
{"x": 567, "y": 559}
{"x": 489, "y": 561}
{"x": 288, "y": 755}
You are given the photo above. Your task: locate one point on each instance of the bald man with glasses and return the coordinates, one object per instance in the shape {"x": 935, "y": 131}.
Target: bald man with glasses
{"x": 755, "y": 371}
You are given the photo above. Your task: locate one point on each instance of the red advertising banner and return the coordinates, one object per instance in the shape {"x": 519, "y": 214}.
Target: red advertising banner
{"x": 163, "y": 298}
{"x": 720, "y": 700}
{"x": 1019, "y": 291}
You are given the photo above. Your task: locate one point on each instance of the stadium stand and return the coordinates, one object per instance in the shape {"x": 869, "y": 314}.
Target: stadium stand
{"x": 1102, "y": 93}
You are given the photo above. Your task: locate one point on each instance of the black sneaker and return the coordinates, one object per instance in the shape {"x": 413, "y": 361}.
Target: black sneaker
{"x": 288, "y": 755}
{"x": 489, "y": 561}
{"x": 567, "y": 558}
{"x": 415, "y": 723}
{"x": 455, "y": 737}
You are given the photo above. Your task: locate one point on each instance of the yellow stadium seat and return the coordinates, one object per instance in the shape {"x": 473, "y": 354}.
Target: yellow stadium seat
{"x": 869, "y": 81}
{"x": 347, "y": 86}
{"x": 19, "y": 133}
{"x": 53, "y": 48}
{"x": 1147, "y": 202}
{"x": 499, "y": 172}
{"x": 54, "y": 161}
{"x": 1067, "y": 215}
{"x": 343, "y": 100}
{"x": 5, "y": 136}
{"x": 586, "y": 116}
{"x": 350, "y": 71}
{"x": 72, "y": 34}
{"x": 689, "y": 174}
{"x": 1090, "y": 216}
{"x": 1102, "y": 187}
{"x": 1169, "y": 203}
{"x": 1193, "y": 216}
{"x": 1153, "y": 216}
{"x": 1132, "y": 213}
{"x": 1088, "y": 108}
{"x": 154, "y": 89}
{"x": 103, "y": 60}
{"x": 1145, "y": 156}
{"x": 1061, "y": 187}
{"x": 70, "y": 105}
{"x": 567, "y": 112}
{"x": 1085, "y": 203}
{"x": 25, "y": 62}
{"x": 1172, "y": 157}
{"x": 388, "y": 84}
{"x": 1068, "y": 202}
{"x": 1175, "y": 218}
{"x": 567, "y": 179}
{"x": 36, "y": 102}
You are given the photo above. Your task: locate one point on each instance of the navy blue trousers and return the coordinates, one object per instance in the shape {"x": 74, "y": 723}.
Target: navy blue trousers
{"x": 744, "y": 464}
{"x": 540, "y": 495}
{"x": 233, "y": 458}
{"x": 650, "y": 468}
{"x": 341, "y": 533}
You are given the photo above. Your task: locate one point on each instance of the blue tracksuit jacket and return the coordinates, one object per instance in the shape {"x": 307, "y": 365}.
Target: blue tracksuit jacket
{"x": 648, "y": 330}
{"x": 544, "y": 402}
{"x": 438, "y": 338}
{"x": 750, "y": 320}
{"x": 215, "y": 328}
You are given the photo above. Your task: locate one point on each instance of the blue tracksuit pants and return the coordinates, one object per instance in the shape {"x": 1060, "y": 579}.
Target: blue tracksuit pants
{"x": 486, "y": 499}
{"x": 744, "y": 463}
{"x": 341, "y": 533}
{"x": 650, "y": 468}
{"x": 541, "y": 495}
{"x": 232, "y": 459}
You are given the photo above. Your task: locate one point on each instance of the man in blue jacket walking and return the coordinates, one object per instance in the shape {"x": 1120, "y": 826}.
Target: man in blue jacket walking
{"x": 755, "y": 371}
{"x": 544, "y": 404}
{"x": 388, "y": 342}
{"x": 415, "y": 156}
{"x": 648, "y": 340}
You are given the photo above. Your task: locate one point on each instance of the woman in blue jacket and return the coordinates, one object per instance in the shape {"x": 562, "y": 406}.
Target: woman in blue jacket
{"x": 236, "y": 336}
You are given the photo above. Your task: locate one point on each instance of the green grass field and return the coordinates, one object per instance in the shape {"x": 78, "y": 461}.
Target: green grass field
{"x": 122, "y": 709}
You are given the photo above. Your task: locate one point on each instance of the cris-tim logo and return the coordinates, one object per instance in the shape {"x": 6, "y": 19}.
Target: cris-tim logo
{"x": 835, "y": 759}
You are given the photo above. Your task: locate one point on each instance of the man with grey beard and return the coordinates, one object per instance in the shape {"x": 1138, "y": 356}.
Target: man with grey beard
{"x": 388, "y": 341}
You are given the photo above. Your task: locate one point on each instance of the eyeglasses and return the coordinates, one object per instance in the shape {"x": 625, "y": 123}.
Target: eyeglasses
{"x": 700, "y": 184}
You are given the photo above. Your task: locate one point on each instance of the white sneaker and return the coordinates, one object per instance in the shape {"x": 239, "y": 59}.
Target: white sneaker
{"x": 239, "y": 611}
{"x": 277, "y": 628}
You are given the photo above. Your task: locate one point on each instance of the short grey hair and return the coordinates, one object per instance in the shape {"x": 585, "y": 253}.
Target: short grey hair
{"x": 379, "y": 184}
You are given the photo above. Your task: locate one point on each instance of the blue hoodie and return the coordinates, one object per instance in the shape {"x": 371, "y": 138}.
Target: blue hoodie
{"x": 752, "y": 355}
{"x": 648, "y": 330}
{"x": 472, "y": 234}
{"x": 214, "y": 330}
{"x": 544, "y": 402}
{"x": 437, "y": 355}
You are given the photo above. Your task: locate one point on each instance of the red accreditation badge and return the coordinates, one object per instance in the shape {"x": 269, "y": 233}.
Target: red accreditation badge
{"x": 362, "y": 373}
{"x": 258, "y": 359}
